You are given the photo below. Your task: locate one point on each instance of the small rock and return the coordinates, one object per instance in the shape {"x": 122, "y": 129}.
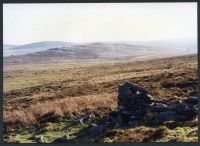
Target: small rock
{"x": 192, "y": 100}
{"x": 5, "y": 139}
{"x": 165, "y": 116}
{"x": 84, "y": 118}
{"x": 62, "y": 139}
{"x": 96, "y": 129}
{"x": 93, "y": 125}
{"x": 159, "y": 107}
{"x": 133, "y": 123}
{"x": 39, "y": 139}
{"x": 182, "y": 108}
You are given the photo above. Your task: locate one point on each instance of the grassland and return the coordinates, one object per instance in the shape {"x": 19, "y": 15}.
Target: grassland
{"x": 44, "y": 99}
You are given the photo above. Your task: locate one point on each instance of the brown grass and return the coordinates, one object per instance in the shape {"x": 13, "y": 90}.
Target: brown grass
{"x": 67, "y": 107}
{"x": 65, "y": 92}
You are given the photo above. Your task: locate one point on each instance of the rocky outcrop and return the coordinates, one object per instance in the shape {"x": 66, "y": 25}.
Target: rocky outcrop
{"x": 136, "y": 105}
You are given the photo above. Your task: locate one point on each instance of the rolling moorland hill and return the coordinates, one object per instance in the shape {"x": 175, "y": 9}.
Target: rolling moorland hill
{"x": 9, "y": 50}
{"x": 45, "y": 99}
{"x": 49, "y": 85}
{"x": 97, "y": 52}
{"x": 5, "y": 46}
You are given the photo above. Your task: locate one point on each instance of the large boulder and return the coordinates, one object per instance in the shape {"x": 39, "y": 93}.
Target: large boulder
{"x": 135, "y": 104}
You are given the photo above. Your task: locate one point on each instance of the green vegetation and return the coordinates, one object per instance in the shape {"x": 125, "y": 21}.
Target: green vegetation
{"x": 51, "y": 131}
{"x": 44, "y": 99}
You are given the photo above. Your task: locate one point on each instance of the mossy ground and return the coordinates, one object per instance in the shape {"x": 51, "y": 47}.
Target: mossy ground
{"x": 143, "y": 133}
{"x": 160, "y": 133}
{"x": 50, "y": 132}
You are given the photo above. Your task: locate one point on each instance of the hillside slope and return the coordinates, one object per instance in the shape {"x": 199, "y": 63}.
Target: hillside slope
{"x": 94, "y": 52}
{"x": 33, "y": 47}
{"x": 49, "y": 98}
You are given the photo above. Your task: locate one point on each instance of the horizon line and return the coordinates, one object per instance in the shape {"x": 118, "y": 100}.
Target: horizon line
{"x": 102, "y": 41}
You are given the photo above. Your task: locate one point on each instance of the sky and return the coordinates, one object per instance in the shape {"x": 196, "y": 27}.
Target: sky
{"x": 90, "y": 22}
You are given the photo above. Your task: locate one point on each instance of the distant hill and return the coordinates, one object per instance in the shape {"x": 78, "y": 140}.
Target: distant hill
{"x": 99, "y": 51}
{"x": 33, "y": 47}
{"x": 189, "y": 45}
{"x": 5, "y": 46}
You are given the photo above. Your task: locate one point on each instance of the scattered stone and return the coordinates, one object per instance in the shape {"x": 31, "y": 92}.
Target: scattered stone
{"x": 195, "y": 109}
{"x": 192, "y": 100}
{"x": 159, "y": 107}
{"x": 62, "y": 139}
{"x": 182, "y": 108}
{"x": 96, "y": 129}
{"x": 93, "y": 125}
{"x": 5, "y": 139}
{"x": 165, "y": 116}
{"x": 134, "y": 123}
{"x": 84, "y": 118}
{"x": 39, "y": 139}
{"x": 136, "y": 105}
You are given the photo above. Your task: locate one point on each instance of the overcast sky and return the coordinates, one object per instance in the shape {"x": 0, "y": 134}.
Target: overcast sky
{"x": 26, "y": 23}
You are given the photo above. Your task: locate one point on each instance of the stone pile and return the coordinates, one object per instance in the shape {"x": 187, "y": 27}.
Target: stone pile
{"x": 136, "y": 105}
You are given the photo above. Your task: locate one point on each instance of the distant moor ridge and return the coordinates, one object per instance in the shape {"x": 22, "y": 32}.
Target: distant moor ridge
{"x": 104, "y": 51}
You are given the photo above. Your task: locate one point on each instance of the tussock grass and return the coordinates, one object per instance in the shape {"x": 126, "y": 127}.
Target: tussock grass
{"x": 42, "y": 95}
{"x": 68, "y": 107}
